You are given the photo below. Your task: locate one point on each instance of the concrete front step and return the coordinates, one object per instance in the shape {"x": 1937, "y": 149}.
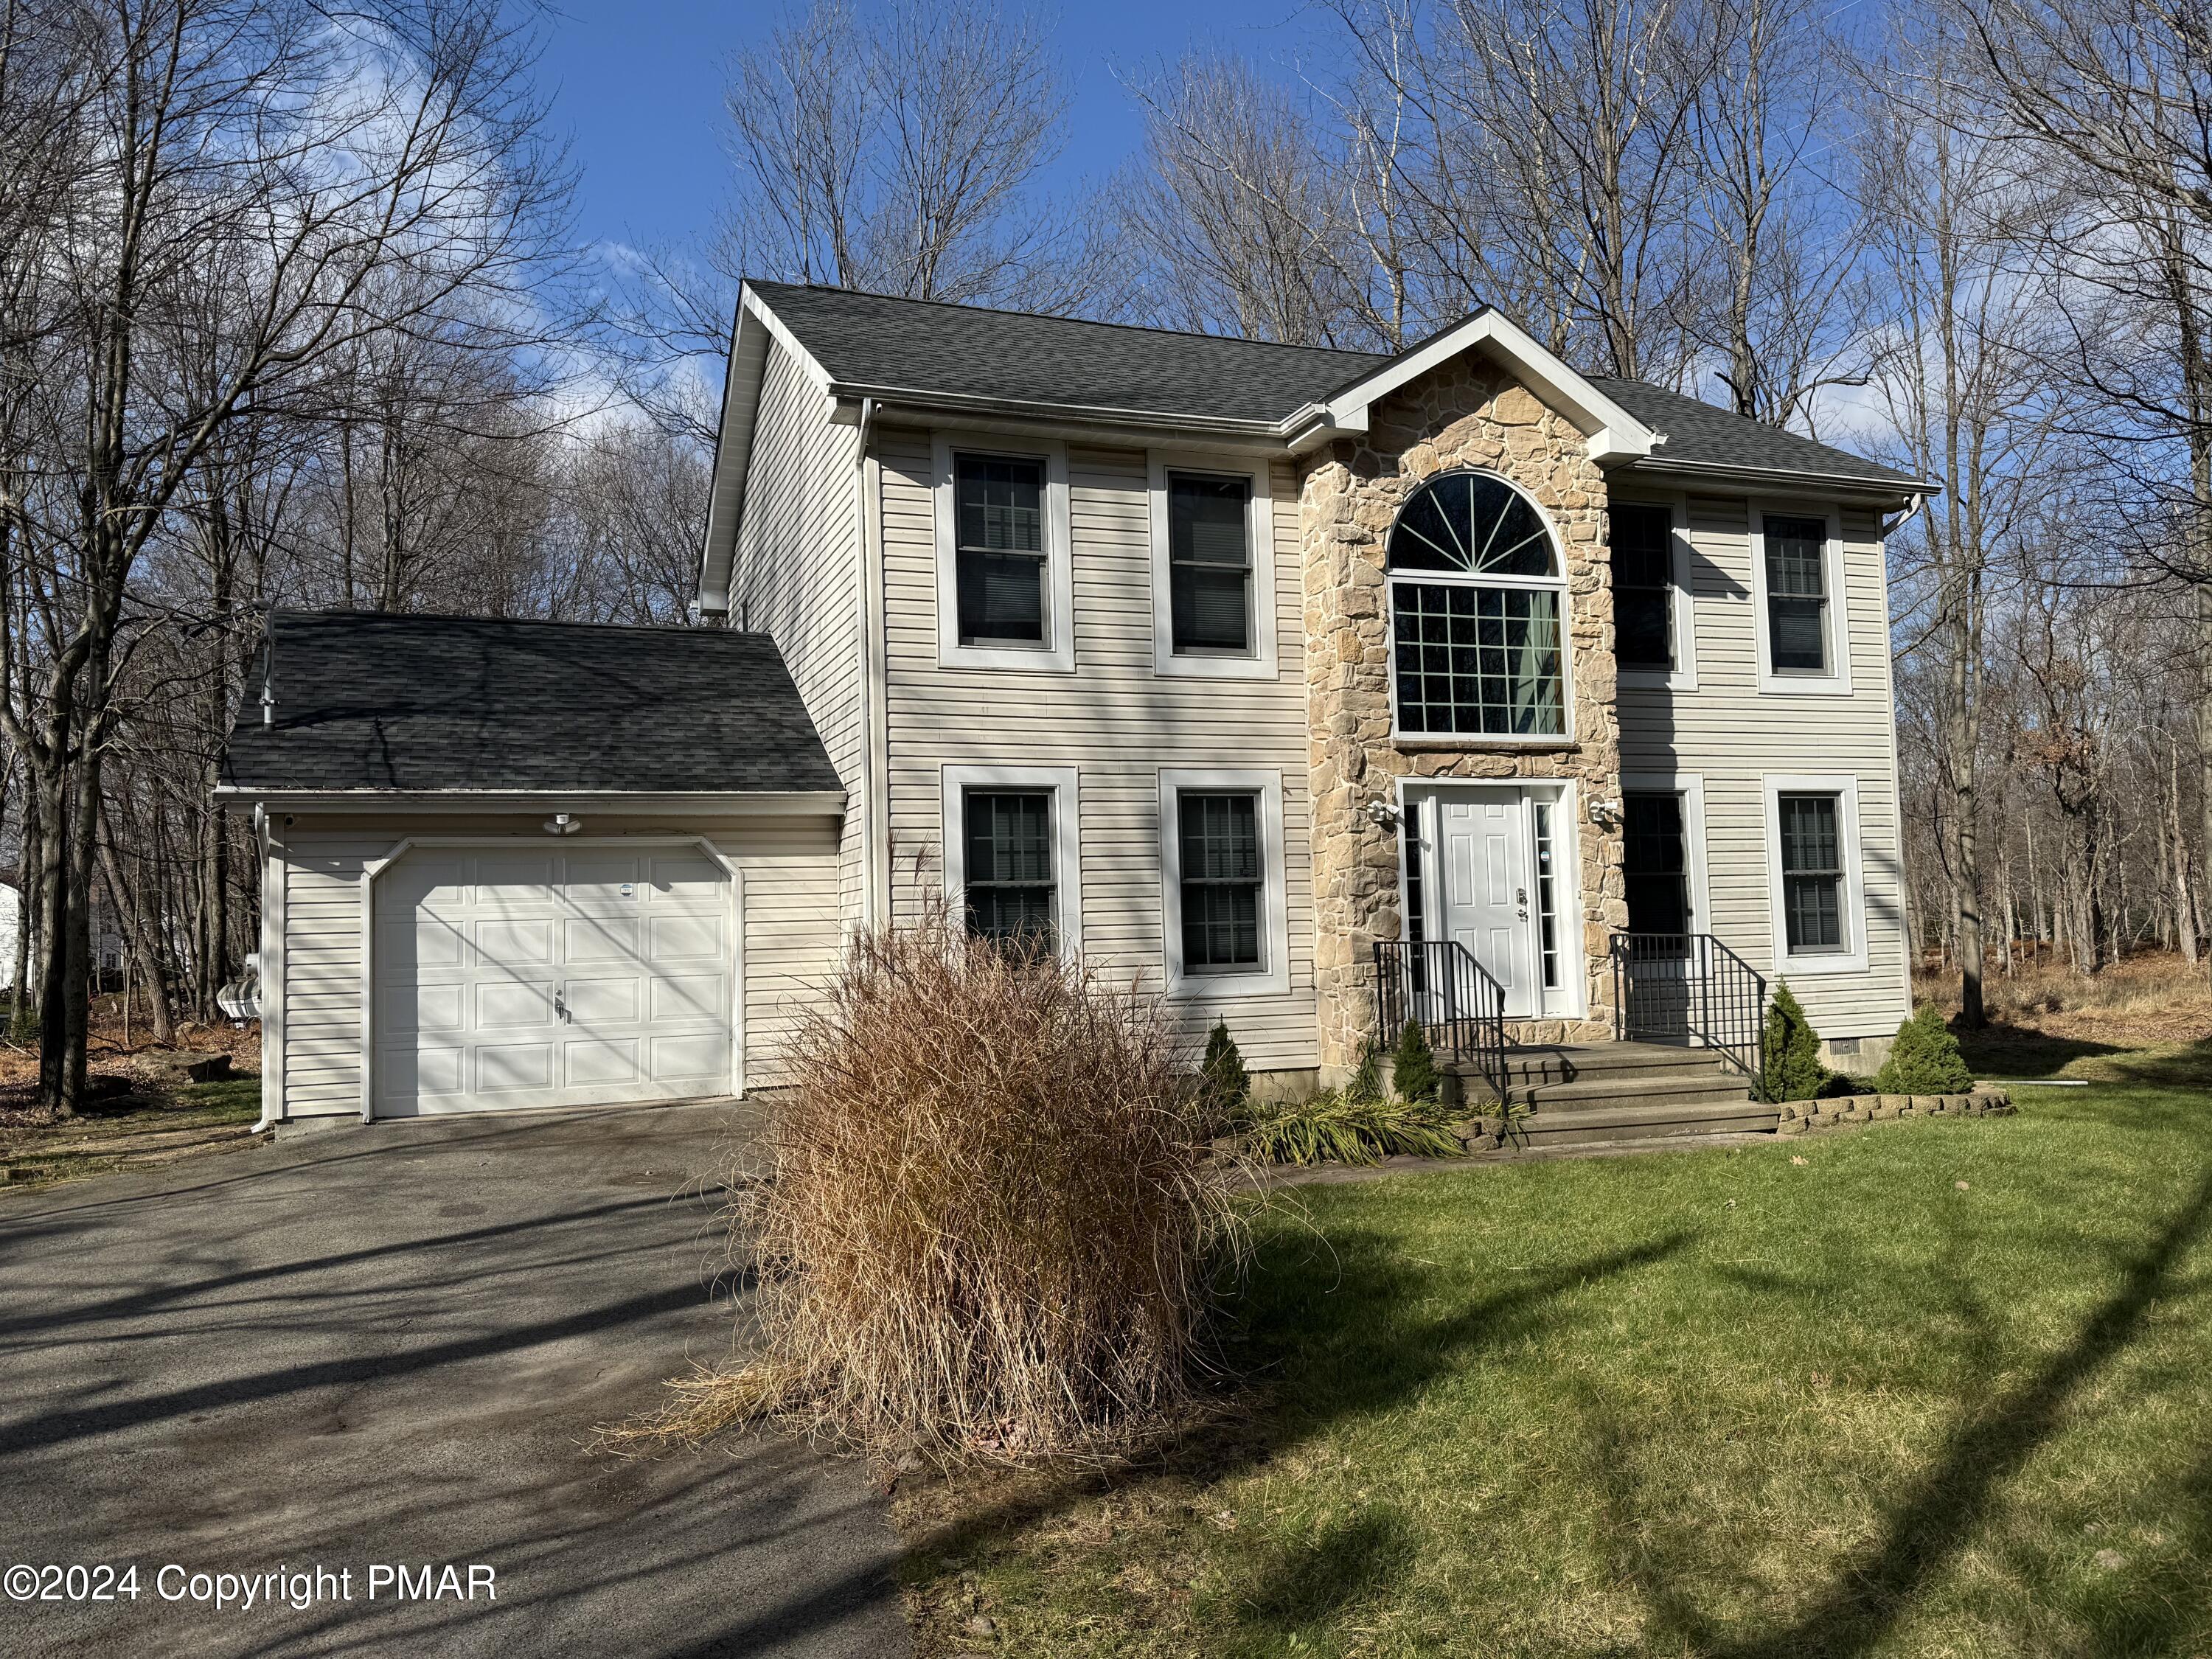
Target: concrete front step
{"x": 1620, "y": 1122}
{"x": 1678, "y": 1082}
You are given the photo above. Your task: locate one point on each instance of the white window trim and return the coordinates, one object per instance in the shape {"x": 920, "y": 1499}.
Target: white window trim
{"x": 1564, "y": 738}
{"x": 1272, "y": 977}
{"x": 1837, "y": 682}
{"x": 1691, "y": 786}
{"x": 1067, "y": 837}
{"x": 1845, "y": 787}
{"x": 1683, "y": 677}
{"x": 1260, "y": 662}
{"x": 1057, "y": 655}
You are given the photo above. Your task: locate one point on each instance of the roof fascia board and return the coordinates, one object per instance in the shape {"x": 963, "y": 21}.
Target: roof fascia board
{"x": 1038, "y": 420}
{"x": 1614, "y": 435}
{"x": 1769, "y": 477}
{"x": 756, "y": 326}
{"x": 795, "y": 803}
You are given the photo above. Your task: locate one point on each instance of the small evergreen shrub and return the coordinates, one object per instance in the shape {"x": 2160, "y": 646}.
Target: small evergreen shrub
{"x": 1792, "y": 1068}
{"x": 1224, "y": 1086}
{"x": 1413, "y": 1066}
{"x": 1366, "y": 1085}
{"x": 1925, "y": 1060}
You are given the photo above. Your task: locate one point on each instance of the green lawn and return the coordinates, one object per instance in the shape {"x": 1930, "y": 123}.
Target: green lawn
{"x": 134, "y": 1132}
{"x": 1929, "y": 1387}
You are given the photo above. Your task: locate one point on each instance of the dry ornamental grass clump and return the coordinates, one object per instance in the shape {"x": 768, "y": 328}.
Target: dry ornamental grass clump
{"x": 989, "y": 1224}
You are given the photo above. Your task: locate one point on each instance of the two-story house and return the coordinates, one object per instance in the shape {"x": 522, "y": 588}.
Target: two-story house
{"x": 1313, "y": 688}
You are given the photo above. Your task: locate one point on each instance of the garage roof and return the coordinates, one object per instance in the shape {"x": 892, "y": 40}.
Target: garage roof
{"x": 414, "y": 704}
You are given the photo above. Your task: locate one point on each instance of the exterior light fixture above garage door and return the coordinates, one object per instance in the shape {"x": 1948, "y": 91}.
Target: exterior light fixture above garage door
{"x": 562, "y": 823}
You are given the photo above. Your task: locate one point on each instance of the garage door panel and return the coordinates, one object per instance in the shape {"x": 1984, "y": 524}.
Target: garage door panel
{"x": 685, "y": 1059}
{"x": 519, "y": 881}
{"x": 472, "y": 947}
{"x": 596, "y": 879}
{"x": 682, "y": 878}
{"x": 508, "y": 944}
{"x": 684, "y": 938}
{"x": 689, "y": 998}
{"x": 423, "y": 1069}
{"x": 600, "y": 938}
{"x": 511, "y": 1005}
{"x": 598, "y": 1003}
{"x": 422, "y": 1007}
{"x": 602, "y": 1062}
{"x": 514, "y": 1066}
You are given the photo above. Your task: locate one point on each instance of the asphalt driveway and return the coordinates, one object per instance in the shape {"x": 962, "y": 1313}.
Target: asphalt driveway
{"x": 376, "y": 1347}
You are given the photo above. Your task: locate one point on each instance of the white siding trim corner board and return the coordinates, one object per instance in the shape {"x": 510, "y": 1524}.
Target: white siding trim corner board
{"x": 1682, "y": 569}
{"x": 733, "y": 917}
{"x": 1272, "y": 976}
{"x": 1845, "y": 786}
{"x": 1691, "y": 786}
{"x": 1260, "y": 662}
{"x": 1837, "y": 683}
{"x": 276, "y": 862}
{"x": 1060, "y": 782}
{"x": 1057, "y": 655}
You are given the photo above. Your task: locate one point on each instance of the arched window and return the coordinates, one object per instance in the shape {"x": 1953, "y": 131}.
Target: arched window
{"x": 1476, "y": 595}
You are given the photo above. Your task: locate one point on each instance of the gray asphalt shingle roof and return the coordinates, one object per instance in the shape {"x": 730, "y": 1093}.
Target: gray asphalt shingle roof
{"x": 923, "y": 345}
{"x": 366, "y": 701}
{"x": 1697, "y": 432}
{"x": 873, "y": 341}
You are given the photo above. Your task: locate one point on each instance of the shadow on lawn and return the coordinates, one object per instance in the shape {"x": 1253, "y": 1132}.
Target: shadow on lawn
{"x": 1941, "y": 1514}
{"x": 1345, "y": 1315}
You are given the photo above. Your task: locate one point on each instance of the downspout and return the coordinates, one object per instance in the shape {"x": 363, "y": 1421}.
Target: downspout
{"x": 875, "y": 762}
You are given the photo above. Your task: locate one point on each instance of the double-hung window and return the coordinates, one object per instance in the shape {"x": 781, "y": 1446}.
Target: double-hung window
{"x": 1210, "y": 563}
{"x": 1222, "y": 883}
{"x": 1011, "y": 880}
{"x": 1005, "y": 579}
{"x": 1799, "y": 630}
{"x": 1012, "y": 856}
{"x": 1477, "y": 601}
{"x": 998, "y": 510}
{"x": 1213, "y": 591}
{"x": 1644, "y": 586}
{"x": 1810, "y": 828}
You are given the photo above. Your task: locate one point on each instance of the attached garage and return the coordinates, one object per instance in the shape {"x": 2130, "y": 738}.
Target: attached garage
{"x": 515, "y": 865}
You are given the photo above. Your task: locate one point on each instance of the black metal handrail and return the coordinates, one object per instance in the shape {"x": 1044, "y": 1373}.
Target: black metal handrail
{"x": 1440, "y": 985}
{"x": 1690, "y": 987}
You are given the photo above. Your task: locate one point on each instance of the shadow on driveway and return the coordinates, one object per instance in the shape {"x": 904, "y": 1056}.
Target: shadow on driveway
{"x": 391, "y": 1346}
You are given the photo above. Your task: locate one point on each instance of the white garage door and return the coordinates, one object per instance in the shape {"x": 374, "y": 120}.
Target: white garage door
{"x": 515, "y": 977}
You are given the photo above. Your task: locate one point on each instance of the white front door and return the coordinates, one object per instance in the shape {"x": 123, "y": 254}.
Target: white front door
{"x": 531, "y": 976}
{"x": 1487, "y": 895}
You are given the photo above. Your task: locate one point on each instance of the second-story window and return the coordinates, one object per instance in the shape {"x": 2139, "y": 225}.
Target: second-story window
{"x": 1210, "y": 563}
{"x": 1643, "y": 587}
{"x": 998, "y": 516}
{"x": 1797, "y": 595}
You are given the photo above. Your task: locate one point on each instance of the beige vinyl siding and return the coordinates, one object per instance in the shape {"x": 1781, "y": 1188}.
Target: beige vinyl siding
{"x": 790, "y": 939}
{"x": 1114, "y": 720}
{"x": 796, "y": 576}
{"x": 1733, "y": 736}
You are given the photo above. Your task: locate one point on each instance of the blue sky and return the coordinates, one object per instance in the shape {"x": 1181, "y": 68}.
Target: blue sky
{"x": 637, "y": 86}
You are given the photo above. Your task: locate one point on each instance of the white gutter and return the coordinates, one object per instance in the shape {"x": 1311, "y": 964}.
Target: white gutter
{"x": 796, "y": 802}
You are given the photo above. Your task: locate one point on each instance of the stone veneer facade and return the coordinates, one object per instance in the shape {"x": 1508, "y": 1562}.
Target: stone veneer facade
{"x": 1467, "y": 413}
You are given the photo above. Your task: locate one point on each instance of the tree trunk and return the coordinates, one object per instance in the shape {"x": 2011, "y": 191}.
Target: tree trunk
{"x": 131, "y": 918}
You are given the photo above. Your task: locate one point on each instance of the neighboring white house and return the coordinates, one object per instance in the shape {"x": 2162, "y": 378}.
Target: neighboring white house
{"x": 1312, "y": 688}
